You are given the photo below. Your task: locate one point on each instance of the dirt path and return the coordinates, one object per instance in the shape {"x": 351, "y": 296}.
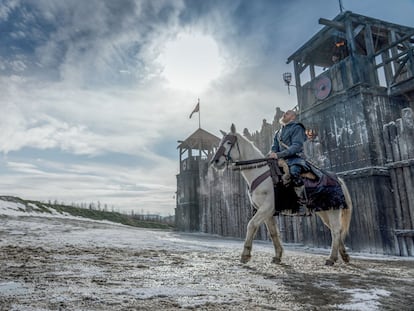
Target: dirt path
{"x": 64, "y": 264}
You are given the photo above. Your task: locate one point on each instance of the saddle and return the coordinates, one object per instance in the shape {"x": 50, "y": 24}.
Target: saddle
{"x": 322, "y": 188}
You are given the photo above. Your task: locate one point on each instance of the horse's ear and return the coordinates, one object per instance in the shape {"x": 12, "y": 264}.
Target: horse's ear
{"x": 233, "y": 128}
{"x": 223, "y": 132}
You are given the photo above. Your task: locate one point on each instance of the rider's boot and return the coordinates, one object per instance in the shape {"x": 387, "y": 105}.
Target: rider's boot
{"x": 300, "y": 192}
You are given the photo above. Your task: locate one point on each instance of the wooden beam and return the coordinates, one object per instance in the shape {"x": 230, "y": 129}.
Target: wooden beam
{"x": 369, "y": 41}
{"x": 297, "y": 73}
{"x": 404, "y": 232}
{"x": 350, "y": 38}
{"x": 312, "y": 71}
{"x": 333, "y": 24}
{"x": 301, "y": 66}
{"x": 395, "y": 43}
{"x": 392, "y": 37}
{"x": 358, "y": 29}
{"x": 298, "y": 84}
{"x": 387, "y": 67}
{"x": 389, "y": 59}
{"x": 399, "y": 69}
{"x": 410, "y": 55}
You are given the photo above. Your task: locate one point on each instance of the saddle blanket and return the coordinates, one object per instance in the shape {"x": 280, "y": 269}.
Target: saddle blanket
{"x": 324, "y": 193}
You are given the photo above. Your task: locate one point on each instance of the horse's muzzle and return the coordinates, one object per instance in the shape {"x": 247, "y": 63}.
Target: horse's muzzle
{"x": 219, "y": 153}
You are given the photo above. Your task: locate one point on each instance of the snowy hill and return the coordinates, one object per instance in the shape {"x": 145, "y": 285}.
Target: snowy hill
{"x": 14, "y": 206}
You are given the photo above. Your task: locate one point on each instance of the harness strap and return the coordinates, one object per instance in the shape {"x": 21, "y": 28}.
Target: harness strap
{"x": 279, "y": 138}
{"x": 275, "y": 171}
{"x": 259, "y": 180}
{"x": 247, "y": 166}
{"x": 252, "y": 161}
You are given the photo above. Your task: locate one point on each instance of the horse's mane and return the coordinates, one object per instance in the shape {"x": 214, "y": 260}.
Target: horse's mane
{"x": 251, "y": 145}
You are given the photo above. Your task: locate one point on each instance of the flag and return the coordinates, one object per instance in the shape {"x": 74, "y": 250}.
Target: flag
{"x": 196, "y": 109}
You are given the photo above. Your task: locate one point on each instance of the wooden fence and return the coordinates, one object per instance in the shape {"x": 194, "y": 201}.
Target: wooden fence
{"x": 400, "y": 161}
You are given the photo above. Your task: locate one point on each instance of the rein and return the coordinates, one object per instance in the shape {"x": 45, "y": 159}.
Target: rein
{"x": 245, "y": 165}
{"x": 241, "y": 167}
{"x": 253, "y": 161}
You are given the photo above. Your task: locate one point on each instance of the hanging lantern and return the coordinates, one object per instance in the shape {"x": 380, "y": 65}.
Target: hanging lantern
{"x": 287, "y": 77}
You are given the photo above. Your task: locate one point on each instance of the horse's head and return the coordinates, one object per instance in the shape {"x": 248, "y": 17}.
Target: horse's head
{"x": 226, "y": 153}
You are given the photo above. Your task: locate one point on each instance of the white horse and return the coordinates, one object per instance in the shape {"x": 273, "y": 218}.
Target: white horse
{"x": 235, "y": 147}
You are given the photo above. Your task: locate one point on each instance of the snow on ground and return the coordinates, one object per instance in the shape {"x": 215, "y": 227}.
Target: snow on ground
{"x": 11, "y": 208}
{"x": 56, "y": 262}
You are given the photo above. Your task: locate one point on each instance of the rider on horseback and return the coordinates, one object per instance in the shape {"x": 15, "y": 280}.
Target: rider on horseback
{"x": 288, "y": 145}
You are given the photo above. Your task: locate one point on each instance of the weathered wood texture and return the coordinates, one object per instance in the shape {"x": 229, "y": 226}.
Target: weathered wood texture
{"x": 188, "y": 206}
{"x": 224, "y": 203}
{"x": 377, "y": 163}
{"x": 400, "y": 161}
{"x": 383, "y": 218}
{"x": 382, "y": 188}
{"x": 361, "y": 135}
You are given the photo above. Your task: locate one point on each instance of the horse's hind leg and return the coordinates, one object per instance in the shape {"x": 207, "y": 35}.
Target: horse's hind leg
{"x": 332, "y": 221}
{"x": 274, "y": 234}
{"x": 342, "y": 251}
{"x": 346, "y": 215}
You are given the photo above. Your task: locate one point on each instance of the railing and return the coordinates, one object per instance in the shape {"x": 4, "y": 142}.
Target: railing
{"x": 395, "y": 69}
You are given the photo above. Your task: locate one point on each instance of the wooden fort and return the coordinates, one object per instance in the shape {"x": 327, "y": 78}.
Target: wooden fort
{"x": 355, "y": 89}
{"x": 195, "y": 151}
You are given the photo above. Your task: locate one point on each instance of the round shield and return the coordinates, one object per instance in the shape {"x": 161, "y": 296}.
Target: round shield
{"x": 323, "y": 87}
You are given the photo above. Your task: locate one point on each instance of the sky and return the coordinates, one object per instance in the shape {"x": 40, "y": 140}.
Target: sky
{"x": 95, "y": 94}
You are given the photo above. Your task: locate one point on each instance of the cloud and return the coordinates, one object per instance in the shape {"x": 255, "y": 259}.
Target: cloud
{"x": 125, "y": 188}
{"x": 86, "y": 112}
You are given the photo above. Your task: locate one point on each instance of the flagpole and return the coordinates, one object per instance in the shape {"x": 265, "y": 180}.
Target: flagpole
{"x": 199, "y": 114}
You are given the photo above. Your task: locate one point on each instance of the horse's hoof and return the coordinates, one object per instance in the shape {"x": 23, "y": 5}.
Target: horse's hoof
{"x": 276, "y": 260}
{"x": 346, "y": 258}
{"x": 329, "y": 262}
{"x": 245, "y": 259}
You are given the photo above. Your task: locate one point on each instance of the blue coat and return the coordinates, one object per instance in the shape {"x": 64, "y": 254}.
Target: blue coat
{"x": 293, "y": 136}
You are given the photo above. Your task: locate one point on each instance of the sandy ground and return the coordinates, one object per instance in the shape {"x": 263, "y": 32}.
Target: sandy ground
{"x": 70, "y": 264}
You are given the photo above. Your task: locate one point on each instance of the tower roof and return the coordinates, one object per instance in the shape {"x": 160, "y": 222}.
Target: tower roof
{"x": 201, "y": 140}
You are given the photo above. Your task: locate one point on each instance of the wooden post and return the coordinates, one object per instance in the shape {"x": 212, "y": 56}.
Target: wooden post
{"x": 350, "y": 37}
{"x": 387, "y": 67}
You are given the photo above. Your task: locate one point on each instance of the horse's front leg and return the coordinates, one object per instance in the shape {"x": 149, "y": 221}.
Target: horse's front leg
{"x": 252, "y": 227}
{"x": 274, "y": 234}
{"x": 262, "y": 199}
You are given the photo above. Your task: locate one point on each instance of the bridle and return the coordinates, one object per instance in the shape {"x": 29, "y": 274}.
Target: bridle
{"x": 238, "y": 165}
{"x": 241, "y": 165}
{"x": 222, "y": 150}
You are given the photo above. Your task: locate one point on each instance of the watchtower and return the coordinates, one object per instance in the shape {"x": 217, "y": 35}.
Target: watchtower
{"x": 352, "y": 77}
{"x": 195, "y": 153}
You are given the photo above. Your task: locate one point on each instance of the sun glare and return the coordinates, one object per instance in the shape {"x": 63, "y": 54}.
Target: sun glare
{"x": 191, "y": 62}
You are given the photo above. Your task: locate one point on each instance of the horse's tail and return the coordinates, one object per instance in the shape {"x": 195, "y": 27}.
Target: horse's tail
{"x": 346, "y": 213}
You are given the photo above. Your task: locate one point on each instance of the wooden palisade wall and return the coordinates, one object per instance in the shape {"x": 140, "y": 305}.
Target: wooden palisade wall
{"x": 400, "y": 161}
{"x": 359, "y": 108}
{"x": 383, "y": 218}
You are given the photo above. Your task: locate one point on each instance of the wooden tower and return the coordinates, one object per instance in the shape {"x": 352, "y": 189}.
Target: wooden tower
{"x": 195, "y": 152}
{"x": 353, "y": 77}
